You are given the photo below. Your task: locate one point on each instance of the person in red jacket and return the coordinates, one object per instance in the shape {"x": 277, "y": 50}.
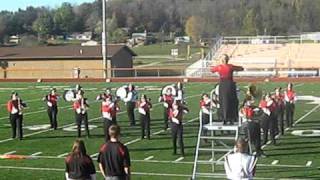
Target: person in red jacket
{"x": 144, "y": 106}
{"x": 52, "y": 103}
{"x": 109, "y": 115}
{"x": 290, "y": 100}
{"x": 227, "y": 90}
{"x": 268, "y": 106}
{"x": 15, "y": 106}
{"x": 167, "y": 100}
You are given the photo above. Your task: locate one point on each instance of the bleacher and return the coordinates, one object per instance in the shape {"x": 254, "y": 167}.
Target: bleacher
{"x": 291, "y": 58}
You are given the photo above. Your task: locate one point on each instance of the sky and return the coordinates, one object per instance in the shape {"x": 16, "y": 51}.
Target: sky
{"x": 14, "y": 5}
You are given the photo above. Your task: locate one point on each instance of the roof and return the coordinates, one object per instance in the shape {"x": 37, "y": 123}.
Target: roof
{"x": 59, "y": 52}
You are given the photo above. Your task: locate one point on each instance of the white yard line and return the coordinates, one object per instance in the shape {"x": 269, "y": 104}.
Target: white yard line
{"x": 179, "y": 159}
{"x": 36, "y": 154}
{"x": 307, "y": 114}
{"x": 62, "y": 155}
{"x": 9, "y": 153}
{"x": 133, "y": 173}
{"x": 94, "y": 155}
{"x": 308, "y": 163}
{"x": 149, "y": 158}
{"x": 275, "y": 162}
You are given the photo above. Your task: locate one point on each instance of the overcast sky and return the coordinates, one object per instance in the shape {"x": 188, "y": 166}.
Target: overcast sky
{"x": 14, "y": 5}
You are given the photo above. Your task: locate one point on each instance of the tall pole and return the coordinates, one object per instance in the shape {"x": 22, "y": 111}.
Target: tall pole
{"x": 104, "y": 39}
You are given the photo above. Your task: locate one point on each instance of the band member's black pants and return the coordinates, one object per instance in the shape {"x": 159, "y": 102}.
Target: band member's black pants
{"x": 82, "y": 118}
{"x": 228, "y": 101}
{"x": 268, "y": 125}
{"x": 177, "y": 133}
{"x": 52, "y": 113}
{"x": 289, "y": 114}
{"x": 205, "y": 120}
{"x": 280, "y": 121}
{"x": 165, "y": 117}
{"x": 252, "y": 132}
{"x": 106, "y": 124}
{"x": 145, "y": 125}
{"x": 130, "y": 111}
{"x": 16, "y": 125}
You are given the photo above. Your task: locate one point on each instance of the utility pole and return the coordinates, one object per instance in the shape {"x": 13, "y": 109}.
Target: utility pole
{"x": 104, "y": 40}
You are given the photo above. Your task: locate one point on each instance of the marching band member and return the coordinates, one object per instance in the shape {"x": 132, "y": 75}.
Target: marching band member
{"x": 205, "y": 104}
{"x": 167, "y": 100}
{"x": 105, "y": 95}
{"x": 290, "y": 100}
{"x": 180, "y": 93}
{"x": 109, "y": 111}
{"x": 240, "y": 165}
{"x": 52, "y": 104}
{"x": 227, "y": 89}
{"x": 250, "y": 126}
{"x": 144, "y": 107}
{"x": 279, "y": 100}
{"x": 130, "y": 101}
{"x": 176, "y": 117}
{"x": 268, "y": 106}
{"x": 80, "y": 107}
{"x": 15, "y": 107}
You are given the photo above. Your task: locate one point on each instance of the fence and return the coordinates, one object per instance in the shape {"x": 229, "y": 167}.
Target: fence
{"x": 149, "y": 72}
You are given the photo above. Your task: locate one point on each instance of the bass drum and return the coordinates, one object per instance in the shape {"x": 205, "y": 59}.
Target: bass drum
{"x": 172, "y": 87}
{"x": 69, "y": 95}
{"x": 122, "y": 92}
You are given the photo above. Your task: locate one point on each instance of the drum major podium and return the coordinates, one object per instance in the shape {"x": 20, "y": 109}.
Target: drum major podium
{"x": 212, "y": 148}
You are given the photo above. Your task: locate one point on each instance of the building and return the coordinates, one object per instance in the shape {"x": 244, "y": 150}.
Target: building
{"x": 86, "y": 36}
{"x": 63, "y": 61}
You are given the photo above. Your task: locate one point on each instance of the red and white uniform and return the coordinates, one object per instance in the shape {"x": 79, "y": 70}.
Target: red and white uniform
{"x": 279, "y": 100}
{"x": 80, "y": 106}
{"x": 167, "y": 100}
{"x": 246, "y": 113}
{"x": 52, "y": 100}
{"x": 109, "y": 110}
{"x": 290, "y": 96}
{"x": 267, "y": 106}
{"x": 144, "y": 107}
{"x": 205, "y": 106}
{"x": 13, "y": 107}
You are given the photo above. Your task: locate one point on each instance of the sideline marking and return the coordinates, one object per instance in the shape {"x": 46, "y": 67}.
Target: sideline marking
{"x": 179, "y": 159}
{"x": 149, "y": 158}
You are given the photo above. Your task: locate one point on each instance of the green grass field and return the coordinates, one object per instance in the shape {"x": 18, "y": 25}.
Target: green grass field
{"x": 294, "y": 157}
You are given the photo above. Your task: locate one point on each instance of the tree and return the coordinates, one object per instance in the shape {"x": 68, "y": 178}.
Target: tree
{"x": 43, "y": 25}
{"x": 249, "y": 25}
{"x": 64, "y": 18}
{"x": 3, "y": 28}
{"x": 119, "y": 36}
{"x": 195, "y": 28}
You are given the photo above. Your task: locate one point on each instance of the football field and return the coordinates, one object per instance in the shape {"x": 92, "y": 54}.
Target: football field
{"x": 296, "y": 155}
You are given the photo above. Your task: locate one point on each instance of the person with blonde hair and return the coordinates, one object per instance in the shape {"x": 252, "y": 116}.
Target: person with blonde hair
{"x": 79, "y": 165}
{"x": 240, "y": 165}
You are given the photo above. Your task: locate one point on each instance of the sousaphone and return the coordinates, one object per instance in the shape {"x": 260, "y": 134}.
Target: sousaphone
{"x": 122, "y": 92}
{"x": 170, "y": 86}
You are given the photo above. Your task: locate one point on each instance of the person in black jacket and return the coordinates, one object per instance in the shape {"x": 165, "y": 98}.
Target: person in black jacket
{"x": 114, "y": 158}
{"x": 79, "y": 165}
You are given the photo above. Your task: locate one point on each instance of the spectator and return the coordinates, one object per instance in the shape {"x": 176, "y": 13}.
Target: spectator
{"x": 78, "y": 164}
{"x": 114, "y": 159}
{"x": 240, "y": 165}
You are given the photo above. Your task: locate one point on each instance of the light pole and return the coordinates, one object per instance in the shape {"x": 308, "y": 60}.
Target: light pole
{"x": 104, "y": 40}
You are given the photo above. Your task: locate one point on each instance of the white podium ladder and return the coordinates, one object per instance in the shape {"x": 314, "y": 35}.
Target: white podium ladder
{"x": 221, "y": 144}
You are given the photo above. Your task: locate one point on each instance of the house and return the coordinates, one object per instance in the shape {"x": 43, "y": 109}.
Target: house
{"x": 182, "y": 39}
{"x": 86, "y": 36}
{"x": 14, "y": 39}
{"x": 90, "y": 43}
{"x": 61, "y": 61}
